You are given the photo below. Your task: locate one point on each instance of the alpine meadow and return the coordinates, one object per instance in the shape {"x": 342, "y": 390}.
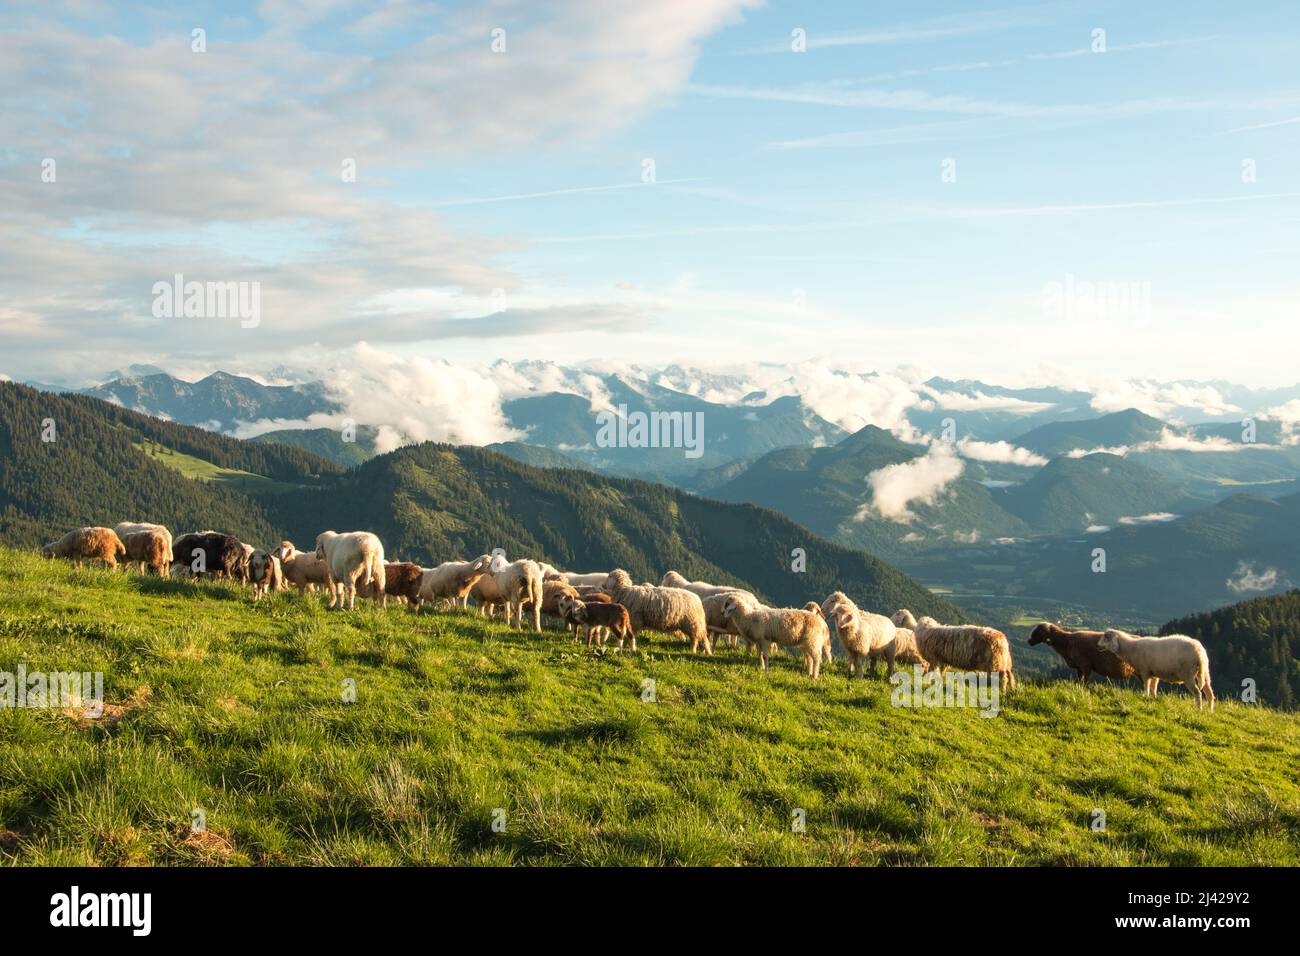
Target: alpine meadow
{"x": 539, "y": 443}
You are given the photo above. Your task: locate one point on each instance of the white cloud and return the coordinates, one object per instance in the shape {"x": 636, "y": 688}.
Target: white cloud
{"x": 999, "y": 451}
{"x": 1152, "y": 518}
{"x": 1246, "y": 579}
{"x": 922, "y": 479}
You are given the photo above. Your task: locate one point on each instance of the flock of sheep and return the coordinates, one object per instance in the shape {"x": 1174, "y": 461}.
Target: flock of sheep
{"x": 608, "y": 604}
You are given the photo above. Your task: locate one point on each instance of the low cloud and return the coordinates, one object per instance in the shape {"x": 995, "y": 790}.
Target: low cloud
{"x": 1152, "y": 518}
{"x": 1246, "y": 578}
{"x": 999, "y": 451}
{"x": 923, "y": 479}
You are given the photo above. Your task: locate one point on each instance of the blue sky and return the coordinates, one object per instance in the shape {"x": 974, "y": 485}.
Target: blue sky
{"x": 799, "y": 211}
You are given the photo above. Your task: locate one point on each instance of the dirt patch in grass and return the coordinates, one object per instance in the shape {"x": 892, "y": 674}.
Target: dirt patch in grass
{"x": 108, "y": 715}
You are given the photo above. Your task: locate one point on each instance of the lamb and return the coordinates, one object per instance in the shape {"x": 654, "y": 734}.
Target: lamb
{"x": 87, "y": 544}
{"x": 301, "y": 568}
{"x": 265, "y": 573}
{"x": 402, "y": 579}
{"x": 513, "y": 585}
{"x": 1176, "y": 658}
{"x": 1080, "y": 650}
{"x": 149, "y": 549}
{"x": 599, "y": 619}
{"x": 123, "y": 528}
{"x": 352, "y": 557}
{"x": 211, "y": 553}
{"x": 965, "y": 647}
{"x": 452, "y": 580}
{"x": 661, "y": 609}
{"x": 789, "y": 627}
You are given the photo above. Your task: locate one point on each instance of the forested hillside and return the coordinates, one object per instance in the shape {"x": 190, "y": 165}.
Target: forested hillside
{"x": 1257, "y": 639}
{"x": 428, "y": 502}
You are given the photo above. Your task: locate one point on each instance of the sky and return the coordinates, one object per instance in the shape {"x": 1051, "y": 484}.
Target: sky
{"x": 1052, "y": 192}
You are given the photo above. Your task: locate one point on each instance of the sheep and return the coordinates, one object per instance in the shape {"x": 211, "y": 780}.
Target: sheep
{"x": 815, "y": 608}
{"x": 123, "y": 528}
{"x": 352, "y": 557}
{"x": 149, "y": 549}
{"x": 402, "y": 579}
{"x": 452, "y": 580}
{"x": 302, "y": 569}
{"x": 512, "y": 585}
{"x": 1176, "y": 658}
{"x": 865, "y": 637}
{"x": 906, "y": 651}
{"x": 552, "y": 591}
{"x": 661, "y": 609}
{"x": 716, "y": 623}
{"x": 87, "y": 544}
{"x": 211, "y": 553}
{"x": 790, "y": 627}
{"x": 1080, "y": 650}
{"x": 594, "y": 579}
{"x": 674, "y": 580}
{"x": 599, "y": 619}
{"x": 265, "y": 573}
{"x": 965, "y": 647}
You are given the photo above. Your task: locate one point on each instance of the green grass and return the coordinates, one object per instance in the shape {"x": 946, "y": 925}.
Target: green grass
{"x": 237, "y": 708}
{"x": 203, "y": 470}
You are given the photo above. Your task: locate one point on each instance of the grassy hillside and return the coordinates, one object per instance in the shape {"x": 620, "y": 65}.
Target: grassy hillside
{"x": 236, "y": 708}
{"x": 326, "y": 442}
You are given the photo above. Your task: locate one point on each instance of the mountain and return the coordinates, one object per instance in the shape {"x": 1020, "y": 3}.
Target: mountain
{"x": 1257, "y": 640}
{"x": 1073, "y": 494}
{"x": 326, "y": 442}
{"x": 537, "y": 456}
{"x": 221, "y": 400}
{"x": 1126, "y": 428}
{"x": 993, "y": 412}
{"x": 427, "y": 502}
{"x": 105, "y": 464}
{"x": 1242, "y": 546}
{"x": 826, "y": 489}
{"x": 567, "y": 423}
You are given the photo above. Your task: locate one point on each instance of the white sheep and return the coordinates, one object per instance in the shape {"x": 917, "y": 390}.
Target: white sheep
{"x": 967, "y": 647}
{"x": 302, "y": 569}
{"x": 354, "y": 559}
{"x": 592, "y": 579}
{"x": 790, "y": 627}
{"x": 1176, "y": 658}
{"x": 513, "y": 585}
{"x": 865, "y": 637}
{"x": 660, "y": 609}
{"x": 452, "y": 580}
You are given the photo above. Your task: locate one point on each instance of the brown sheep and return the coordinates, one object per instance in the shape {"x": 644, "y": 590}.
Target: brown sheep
{"x": 149, "y": 549}
{"x": 402, "y": 580}
{"x": 1080, "y": 651}
{"x": 87, "y": 544}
